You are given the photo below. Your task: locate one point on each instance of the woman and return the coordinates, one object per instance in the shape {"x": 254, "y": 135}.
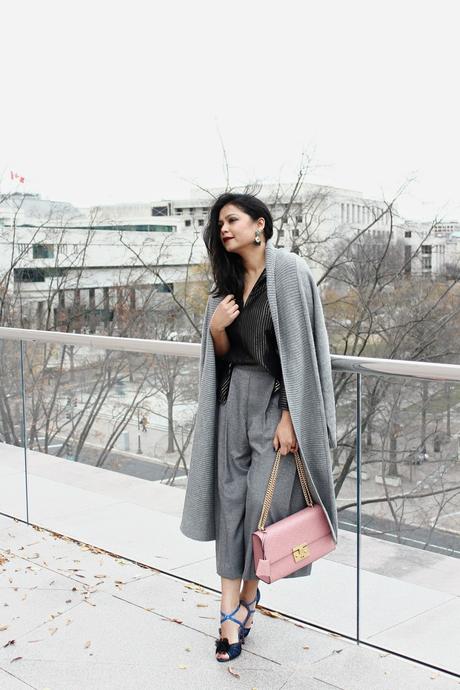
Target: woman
{"x": 265, "y": 384}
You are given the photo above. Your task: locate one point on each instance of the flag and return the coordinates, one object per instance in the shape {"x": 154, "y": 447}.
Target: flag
{"x": 15, "y": 175}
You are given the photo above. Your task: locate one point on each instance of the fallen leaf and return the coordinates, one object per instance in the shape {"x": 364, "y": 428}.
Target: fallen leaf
{"x": 306, "y": 646}
{"x": 197, "y": 588}
{"x": 233, "y": 672}
{"x": 3, "y": 627}
{"x": 15, "y": 659}
{"x": 270, "y": 614}
{"x": 87, "y": 644}
{"x": 52, "y": 631}
{"x": 182, "y": 666}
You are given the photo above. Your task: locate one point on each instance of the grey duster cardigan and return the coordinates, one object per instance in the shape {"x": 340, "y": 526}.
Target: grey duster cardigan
{"x": 303, "y": 345}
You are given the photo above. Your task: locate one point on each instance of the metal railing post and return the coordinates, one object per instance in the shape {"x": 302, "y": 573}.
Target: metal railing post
{"x": 24, "y": 422}
{"x": 358, "y": 503}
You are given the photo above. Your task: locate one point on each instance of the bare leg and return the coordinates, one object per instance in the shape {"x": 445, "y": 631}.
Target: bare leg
{"x": 229, "y": 602}
{"x": 248, "y": 593}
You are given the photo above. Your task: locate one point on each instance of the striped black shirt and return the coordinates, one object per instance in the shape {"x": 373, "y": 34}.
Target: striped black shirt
{"x": 252, "y": 341}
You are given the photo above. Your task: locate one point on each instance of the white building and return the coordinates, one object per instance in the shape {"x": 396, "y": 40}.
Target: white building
{"x": 89, "y": 261}
{"x": 84, "y": 263}
{"x": 311, "y": 218}
{"x": 430, "y": 248}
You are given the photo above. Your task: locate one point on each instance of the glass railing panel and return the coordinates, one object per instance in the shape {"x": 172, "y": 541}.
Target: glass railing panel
{"x": 109, "y": 442}
{"x": 410, "y": 518}
{"x": 13, "y": 486}
{"x": 330, "y": 593}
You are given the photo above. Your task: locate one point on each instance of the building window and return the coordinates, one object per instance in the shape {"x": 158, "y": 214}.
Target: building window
{"x": 188, "y": 223}
{"x": 165, "y": 287}
{"x": 136, "y": 228}
{"x": 426, "y": 249}
{"x": 298, "y": 219}
{"x": 200, "y": 221}
{"x": 43, "y": 251}
{"x": 407, "y": 259}
{"x": 159, "y": 210}
{"x": 29, "y": 275}
{"x": 408, "y": 233}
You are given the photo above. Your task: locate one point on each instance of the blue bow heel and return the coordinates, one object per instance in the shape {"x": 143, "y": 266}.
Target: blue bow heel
{"x": 223, "y": 645}
{"x": 247, "y": 605}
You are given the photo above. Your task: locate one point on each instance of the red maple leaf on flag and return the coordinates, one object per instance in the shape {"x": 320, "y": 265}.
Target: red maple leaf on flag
{"x": 15, "y": 175}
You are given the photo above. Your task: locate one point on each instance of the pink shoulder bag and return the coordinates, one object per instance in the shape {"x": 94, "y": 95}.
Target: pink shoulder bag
{"x": 296, "y": 540}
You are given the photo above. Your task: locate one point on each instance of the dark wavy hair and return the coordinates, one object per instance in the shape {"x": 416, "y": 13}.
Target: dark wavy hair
{"x": 227, "y": 267}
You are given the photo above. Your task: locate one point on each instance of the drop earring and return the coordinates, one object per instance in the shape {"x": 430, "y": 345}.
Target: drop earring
{"x": 257, "y": 239}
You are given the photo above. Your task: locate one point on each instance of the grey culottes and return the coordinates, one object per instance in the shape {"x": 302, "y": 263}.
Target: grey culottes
{"x": 247, "y": 423}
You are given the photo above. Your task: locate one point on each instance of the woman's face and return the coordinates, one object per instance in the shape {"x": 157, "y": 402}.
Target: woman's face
{"x": 237, "y": 228}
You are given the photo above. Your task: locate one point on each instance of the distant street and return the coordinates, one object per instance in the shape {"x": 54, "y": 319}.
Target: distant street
{"x": 134, "y": 467}
{"x": 441, "y": 542}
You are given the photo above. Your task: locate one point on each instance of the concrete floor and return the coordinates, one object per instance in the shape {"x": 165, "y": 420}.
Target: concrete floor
{"x": 75, "y": 618}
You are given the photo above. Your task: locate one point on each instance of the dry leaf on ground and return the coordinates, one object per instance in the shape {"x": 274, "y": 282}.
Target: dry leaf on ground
{"x": 233, "y": 672}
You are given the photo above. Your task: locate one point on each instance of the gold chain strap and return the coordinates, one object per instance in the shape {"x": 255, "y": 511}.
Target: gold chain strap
{"x": 271, "y": 486}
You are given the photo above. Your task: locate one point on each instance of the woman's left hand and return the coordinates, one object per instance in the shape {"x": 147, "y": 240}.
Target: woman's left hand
{"x": 285, "y": 437}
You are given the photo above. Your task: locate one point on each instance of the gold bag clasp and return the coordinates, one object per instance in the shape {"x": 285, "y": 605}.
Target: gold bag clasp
{"x": 300, "y": 551}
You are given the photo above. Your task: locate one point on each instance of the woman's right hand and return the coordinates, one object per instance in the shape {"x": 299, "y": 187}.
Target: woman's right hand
{"x": 225, "y": 313}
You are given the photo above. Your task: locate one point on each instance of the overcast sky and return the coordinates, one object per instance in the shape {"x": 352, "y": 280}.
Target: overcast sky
{"x": 105, "y": 102}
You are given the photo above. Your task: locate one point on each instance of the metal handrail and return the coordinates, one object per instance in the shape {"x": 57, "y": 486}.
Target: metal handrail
{"x": 354, "y": 365}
